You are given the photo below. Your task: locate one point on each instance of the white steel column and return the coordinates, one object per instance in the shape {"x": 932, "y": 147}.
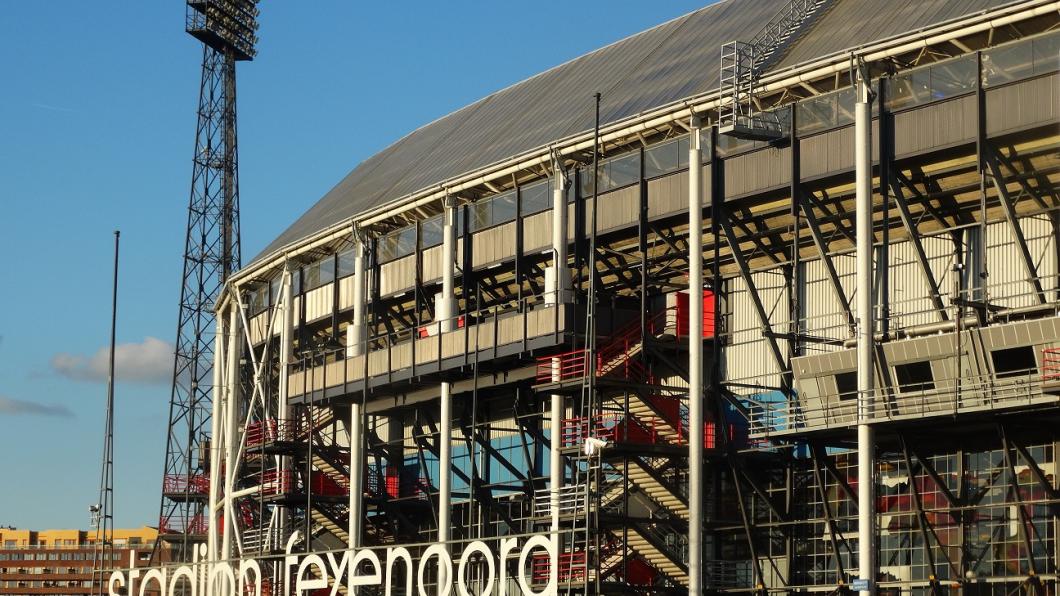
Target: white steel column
{"x": 556, "y": 286}
{"x": 231, "y": 439}
{"x": 283, "y": 408}
{"x": 357, "y": 340}
{"x": 695, "y": 360}
{"x": 445, "y": 307}
{"x": 866, "y": 443}
{"x": 213, "y": 531}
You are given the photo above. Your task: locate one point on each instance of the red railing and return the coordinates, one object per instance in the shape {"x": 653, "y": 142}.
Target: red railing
{"x": 396, "y": 483}
{"x": 1050, "y": 364}
{"x": 179, "y": 524}
{"x": 277, "y": 482}
{"x": 275, "y": 430}
{"x": 572, "y": 567}
{"x": 563, "y": 367}
{"x": 196, "y": 484}
{"x": 613, "y": 427}
{"x": 615, "y": 357}
{"x": 282, "y": 482}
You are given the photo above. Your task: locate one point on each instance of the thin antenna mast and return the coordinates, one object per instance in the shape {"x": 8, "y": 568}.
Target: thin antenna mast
{"x": 103, "y": 511}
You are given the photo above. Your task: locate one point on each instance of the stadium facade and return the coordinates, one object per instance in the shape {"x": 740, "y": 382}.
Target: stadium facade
{"x": 457, "y": 353}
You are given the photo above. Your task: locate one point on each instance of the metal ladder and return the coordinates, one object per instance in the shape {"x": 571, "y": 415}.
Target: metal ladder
{"x": 743, "y": 62}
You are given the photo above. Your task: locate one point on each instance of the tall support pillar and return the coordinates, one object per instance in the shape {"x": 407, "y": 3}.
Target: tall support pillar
{"x": 445, "y": 307}
{"x": 355, "y": 344}
{"x": 213, "y": 532}
{"x": 556, "y": 286}
{"x": 231, "y": 430}
{"x": 283, "y": 407}
{"x": 695, "y": 360}
{"x": 866, "y": 441}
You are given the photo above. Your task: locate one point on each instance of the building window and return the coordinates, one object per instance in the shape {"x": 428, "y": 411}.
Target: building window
{"x": 847, "y": 385}
{"x": 914, "y": 376}
{"x": 1014, "y": 362}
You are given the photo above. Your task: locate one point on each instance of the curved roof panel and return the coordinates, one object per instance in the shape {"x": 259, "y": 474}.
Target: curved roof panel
{"x": 673, "y": 61}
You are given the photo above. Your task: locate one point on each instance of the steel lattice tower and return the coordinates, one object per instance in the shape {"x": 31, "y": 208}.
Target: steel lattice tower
{"x": 211, "y": 253}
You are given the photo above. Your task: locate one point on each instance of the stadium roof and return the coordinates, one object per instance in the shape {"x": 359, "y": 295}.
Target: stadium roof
{"x": 676, "y": 60}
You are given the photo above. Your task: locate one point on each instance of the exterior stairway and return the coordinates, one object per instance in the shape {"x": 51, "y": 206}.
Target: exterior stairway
{"x": 648, "y": 547}
{"x": 645, "y": 477}
{"x": 665, "y": 412}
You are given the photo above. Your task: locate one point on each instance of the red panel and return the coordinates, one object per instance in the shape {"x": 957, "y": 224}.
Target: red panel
{"x": 708, "y": 313}
{"x": 640, "y": 573}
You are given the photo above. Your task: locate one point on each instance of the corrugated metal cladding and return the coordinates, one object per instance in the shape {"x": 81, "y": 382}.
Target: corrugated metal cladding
{"x": 1007, "y": 281}
{"x": 910, "y": 297}
{"x": 748, "y": 355}
{"x": 668, "y": 63}
{"x": 822, "y": 311}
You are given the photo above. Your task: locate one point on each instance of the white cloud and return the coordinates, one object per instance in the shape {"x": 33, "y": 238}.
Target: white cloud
{"x": 15, "y": 407}
{"x": 150, "y": 361}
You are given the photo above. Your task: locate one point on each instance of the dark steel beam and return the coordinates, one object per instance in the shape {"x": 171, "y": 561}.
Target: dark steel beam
{"x": 1009, "y": 207}
{"x": 927, "y": 532}
{"x": 826, "y": 259}
{"x": 918, "y": 248}
{"x": 752, "y": 290}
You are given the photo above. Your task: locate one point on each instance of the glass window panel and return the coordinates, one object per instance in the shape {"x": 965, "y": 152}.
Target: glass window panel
{"x": 480, "y": 214}
{"x": 431, "y": 231}
{"x": 683, "y": 145}
{"x": 845, "y": 100}
{"x": 625, "y": 170}
{"x": 347, "y": 262}
{"x": 953, "y": 77}
{"x": 585, "y": 181}
{"x": 729, "y": 145}
{"x": 311, "y": 276}
{"x": 327, "y": 271}
{"x": 1007, "y": 63}
{"x": 407, "y": 241}
{"x": 536, "y": 197}
{"x": 816, "y": 113}
{"x": 387, "y": 248}
{"x": 1047, "y": 53}
{"x": 503, "y": 208}
{"x": 661, "y": 159}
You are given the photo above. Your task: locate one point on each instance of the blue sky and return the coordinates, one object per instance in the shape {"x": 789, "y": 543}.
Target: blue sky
{"x": 97, "y": 116}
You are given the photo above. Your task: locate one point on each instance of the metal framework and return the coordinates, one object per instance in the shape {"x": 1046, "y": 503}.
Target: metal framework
{"x": 211, "y": 254}
{"x": 404, "y": 382}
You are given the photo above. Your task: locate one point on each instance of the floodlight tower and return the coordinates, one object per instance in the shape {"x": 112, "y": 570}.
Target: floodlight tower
{"x": 226, "y": 29}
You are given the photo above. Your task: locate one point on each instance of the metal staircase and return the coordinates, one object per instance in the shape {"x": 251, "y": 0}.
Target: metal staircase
{"x": 651, "y": 547}
{"x": 742, "y": 63}
{"x": 647, "y": 479}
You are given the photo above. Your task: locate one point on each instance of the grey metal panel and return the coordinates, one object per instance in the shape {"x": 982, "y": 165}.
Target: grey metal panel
{"x": 663, "y": 65}
{"x": 937, "y": 125}
{"x": 1023, "y": 104}
{"x": 831, "y": 152}
{"x": 493, "y": 245}
{"x": 397, "y": 276}
{"x": 757, "y": 171}
{"x": 668, "y": 194}
{"x": 619, "y": 209}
